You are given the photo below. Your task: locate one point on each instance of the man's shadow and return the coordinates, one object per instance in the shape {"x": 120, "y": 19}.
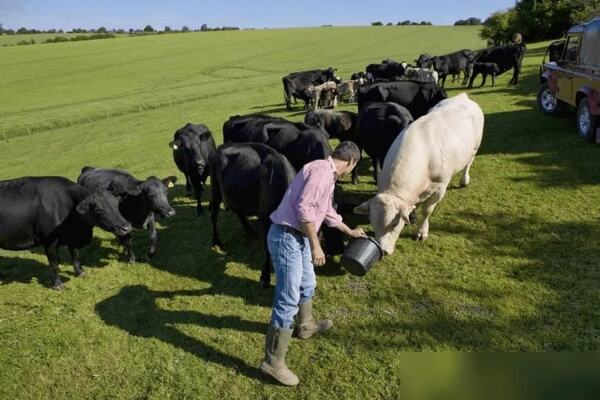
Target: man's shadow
{"x": 135, "y": 310}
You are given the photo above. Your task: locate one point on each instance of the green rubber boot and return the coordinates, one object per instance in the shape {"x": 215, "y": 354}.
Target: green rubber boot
{"x": 276, "y": 347}
{"x": 307, "y": 326}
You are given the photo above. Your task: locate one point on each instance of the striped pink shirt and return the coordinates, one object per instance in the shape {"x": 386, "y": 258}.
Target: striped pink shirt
{"x": 310, "y": 197}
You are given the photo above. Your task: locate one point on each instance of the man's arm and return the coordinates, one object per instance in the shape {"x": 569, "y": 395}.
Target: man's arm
{"x": 355, "y": 233}
{"x": 318, "y": 256}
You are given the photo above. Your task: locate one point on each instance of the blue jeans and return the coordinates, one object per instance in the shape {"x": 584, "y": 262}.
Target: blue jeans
{"x": 295, "y": 280}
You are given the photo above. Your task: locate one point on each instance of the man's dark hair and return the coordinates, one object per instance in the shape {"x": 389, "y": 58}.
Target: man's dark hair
{"x": 346, "y": 151}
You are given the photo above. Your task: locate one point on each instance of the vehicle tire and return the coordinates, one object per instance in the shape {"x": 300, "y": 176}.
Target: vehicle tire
{"x": 586, "y": 122}
{"x": 547, "y": 102}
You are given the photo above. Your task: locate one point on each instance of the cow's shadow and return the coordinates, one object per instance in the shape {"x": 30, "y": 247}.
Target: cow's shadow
{"x": 26, "y": 270}
{"x": 134, "y": 309}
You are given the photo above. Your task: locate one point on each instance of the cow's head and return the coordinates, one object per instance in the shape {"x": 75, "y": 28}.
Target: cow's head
{"x": 189, "y": 141}
{"x": 154, "y": 192}
{"x": 332, "y": 76}
{"x": 424, "y": 61}
{"x": 102, "y": 209}
{"x": 388, "y": 214}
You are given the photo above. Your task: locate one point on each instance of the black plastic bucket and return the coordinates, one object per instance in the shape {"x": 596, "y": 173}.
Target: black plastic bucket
{"x": 360, "y": 255}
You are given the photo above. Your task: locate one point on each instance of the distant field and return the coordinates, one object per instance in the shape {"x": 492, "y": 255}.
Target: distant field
{"x": 511, "y": 263}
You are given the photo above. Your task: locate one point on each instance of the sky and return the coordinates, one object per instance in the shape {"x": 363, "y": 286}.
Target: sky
{"x": 69, "y": 14}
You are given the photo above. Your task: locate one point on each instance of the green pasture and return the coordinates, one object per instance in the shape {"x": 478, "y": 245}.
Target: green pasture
{"x": 511, "y": 263}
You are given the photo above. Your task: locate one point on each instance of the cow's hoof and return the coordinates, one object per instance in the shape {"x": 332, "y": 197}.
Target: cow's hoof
{"x": 58, "y": 286}
{"x": 79, "y": 274}
{"x": 131, "y": 260}
{"x": 421, "y": 237}
{"x": 151, "y": 254}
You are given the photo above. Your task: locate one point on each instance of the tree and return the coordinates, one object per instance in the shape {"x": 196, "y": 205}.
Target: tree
{"x": 1, "y": 29}
{"x": 22, "y": 31}
{"x": 377, "y": 23}
{"x": 168, "y": 29}
{"x": 589, "y": 10}
{"x": 148, "y": 28}
{"x": 204, "y": 28}
{"x": 102, "y": 29}
{"x": 499, "y": 27}
{"x": 185, "y": 29}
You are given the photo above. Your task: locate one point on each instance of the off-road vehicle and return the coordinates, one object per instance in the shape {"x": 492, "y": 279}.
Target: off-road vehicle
{"x": 574, "y": 79}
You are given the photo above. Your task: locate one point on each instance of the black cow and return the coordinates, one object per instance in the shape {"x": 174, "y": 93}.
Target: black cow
{"x": 54, "y": 212}
{"x": 299, "y": 142}
{"x": 358, "y": 75}
{"x": 506, "y": 57}
{"x": 296, "y": 83}
{"x": 388, "y": 70}
{"x": 453, "y": 64}
{"x": 424, "y": 61}
{"x": 417, "y": 96}
{"x": 378, "y": 126}
{"x": 250, "y": 128}
{"x": 192, "y": 146}
{"x": 139, "y": 201}
{"x": 341, "y": 125}
{"x": 485, "y": 69}
{"x": 250, "y": 179}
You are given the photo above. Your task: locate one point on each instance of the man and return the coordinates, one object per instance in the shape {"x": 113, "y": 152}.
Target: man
{"x": 295, "y": 249}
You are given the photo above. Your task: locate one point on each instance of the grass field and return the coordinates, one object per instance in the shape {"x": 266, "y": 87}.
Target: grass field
{"x": 511, "y": 263}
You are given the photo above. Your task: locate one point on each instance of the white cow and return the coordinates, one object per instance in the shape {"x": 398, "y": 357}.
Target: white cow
{"x": 419, "y": 166}
{"x": 324, "y": 95}
{"x": 421, "y": 74}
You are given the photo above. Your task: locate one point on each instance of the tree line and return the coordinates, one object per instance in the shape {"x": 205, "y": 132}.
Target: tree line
{"x": 407, "y": 22}
{"x": 148, "y": 29}
{"x": 538, "y": 20}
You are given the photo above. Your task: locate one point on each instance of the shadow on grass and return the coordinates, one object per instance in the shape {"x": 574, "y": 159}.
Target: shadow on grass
{"x": 561, "y": 258}
{"x": 134, "y": 310}
{"x": 24, "y": 270}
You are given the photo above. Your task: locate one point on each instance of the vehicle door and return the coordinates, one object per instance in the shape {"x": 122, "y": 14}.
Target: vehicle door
{"x": 567, "y": 64}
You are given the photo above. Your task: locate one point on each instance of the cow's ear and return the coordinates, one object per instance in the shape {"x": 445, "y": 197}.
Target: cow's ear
{"x": 404, "y": 214}
{"x": 175, "y": 144}
{"x": 84, "y": 206}
{"x": 170, "y": 181}
{"x": 362, "y": 209}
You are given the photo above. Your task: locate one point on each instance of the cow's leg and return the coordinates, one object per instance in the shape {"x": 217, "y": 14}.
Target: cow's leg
{"x": 53, "y": 260}
{"x": 483, "y": 79}
{"x": 375, "y": 169}
{"x": 473, "y": 76}
{"x": 151, "y": 226}
{"x": 127, "y": 242}
{"x": 247, "y": 228}
{"x": 215, "y": 205}
{"x": 466, "y": 80}
{"x": 76, "y": 261}
{"x": 265, "y": 275}
{"x": 198, "y": 190}
{"x": 444, "y": 80}
{"x": 515, "y": 78}
{"x": 493, "y": 80}
{"x": 466, "y": 178}
{"x": 426, "y": 210}
{"x": 188, "y": 185}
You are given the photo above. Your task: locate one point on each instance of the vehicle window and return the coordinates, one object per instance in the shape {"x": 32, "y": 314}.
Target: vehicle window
{"x": 590, "y": 56}
{"x": 572, "y": 50}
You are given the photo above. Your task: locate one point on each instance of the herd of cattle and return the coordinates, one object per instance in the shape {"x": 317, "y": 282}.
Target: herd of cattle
{"x": 404, "y": 117}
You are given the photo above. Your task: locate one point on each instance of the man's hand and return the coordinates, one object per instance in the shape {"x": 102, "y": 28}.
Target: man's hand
{"x": 357, "y": 233}
{"x": 318, "y": 256}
